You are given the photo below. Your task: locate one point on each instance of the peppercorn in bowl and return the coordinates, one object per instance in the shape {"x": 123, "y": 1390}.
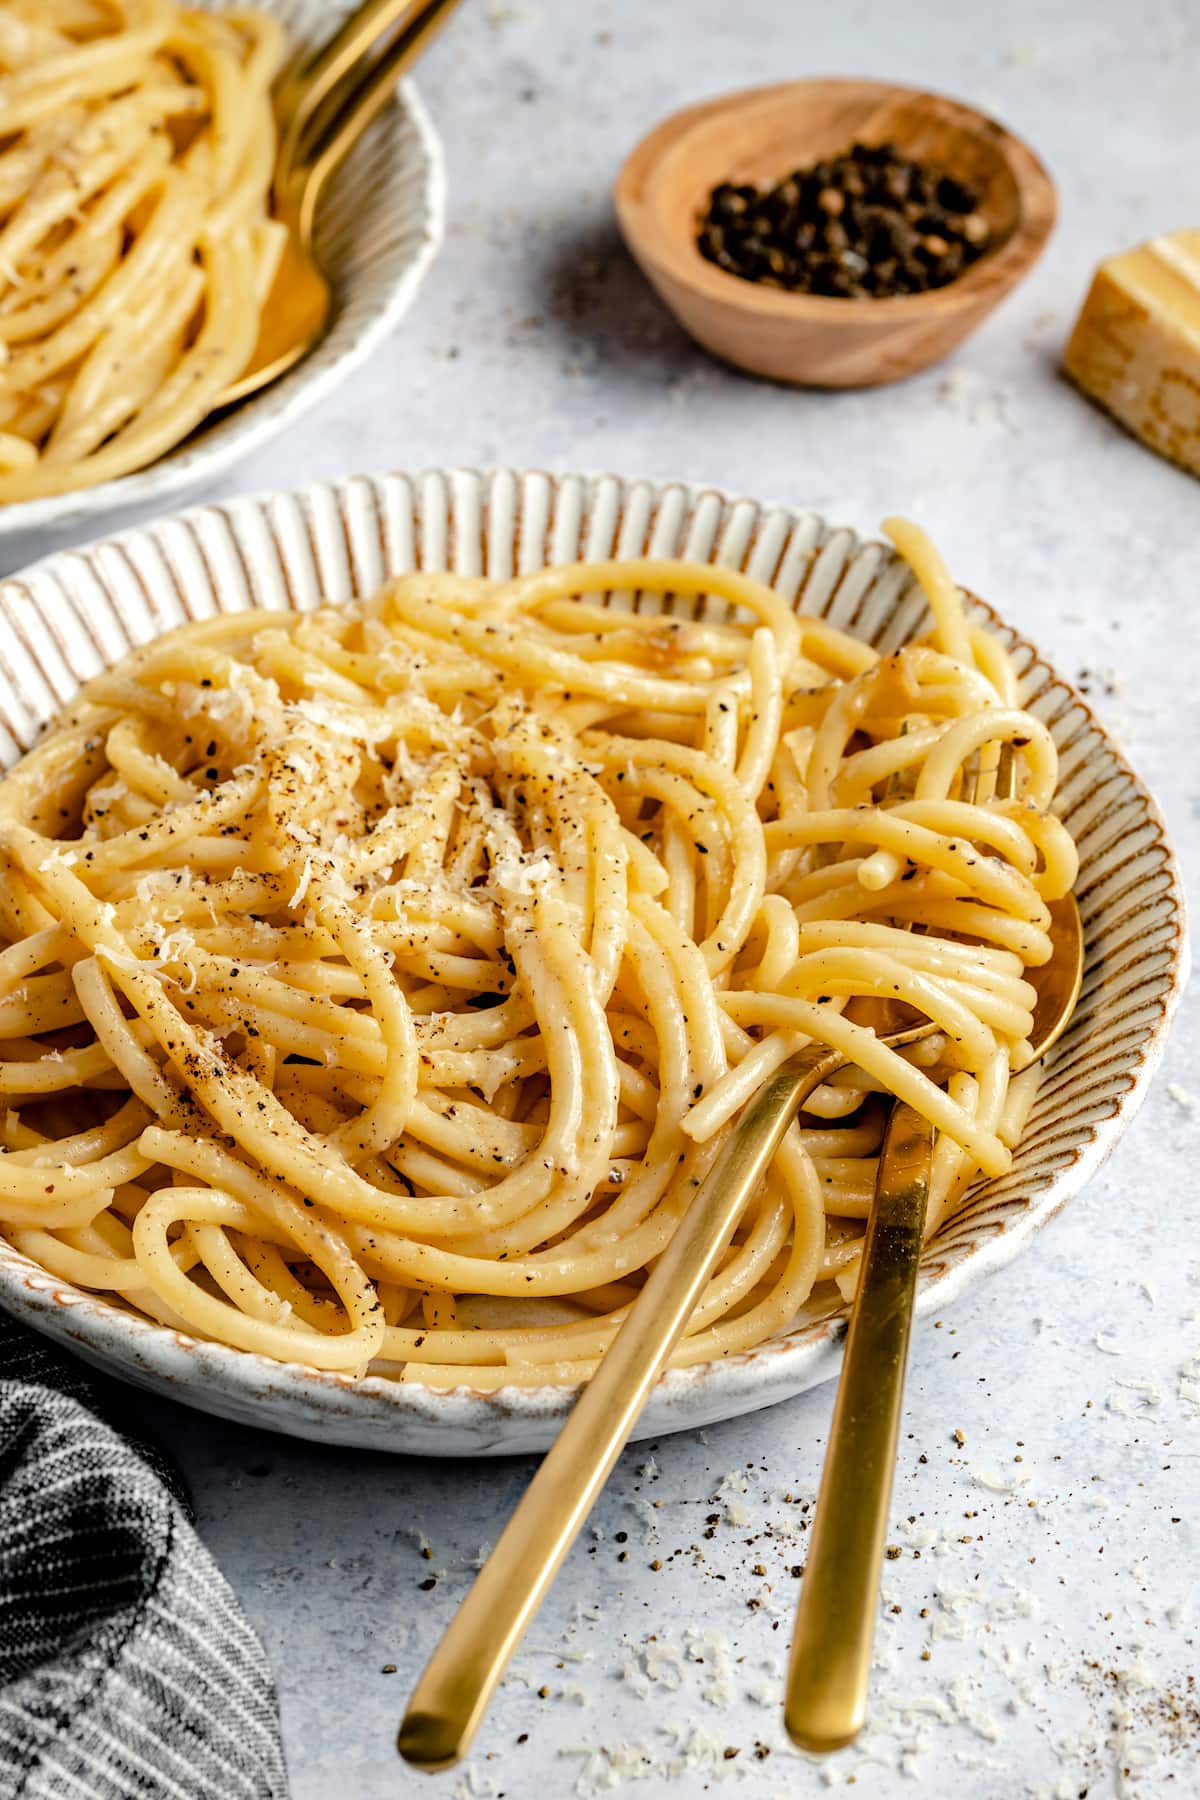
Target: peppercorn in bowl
{"x": 869, "y": 224}
{"x": 833, "y": 233}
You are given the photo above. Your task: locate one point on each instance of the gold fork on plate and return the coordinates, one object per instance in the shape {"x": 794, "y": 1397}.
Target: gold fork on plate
{"x": 825, "y": 1704}
{"x": 322, "y": 108}
{"x": 451, "y": 1696}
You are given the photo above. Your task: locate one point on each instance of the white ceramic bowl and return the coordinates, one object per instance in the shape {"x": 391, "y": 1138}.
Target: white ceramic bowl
{"x": 378, "y": 229}
{"x": 72, "y": 614}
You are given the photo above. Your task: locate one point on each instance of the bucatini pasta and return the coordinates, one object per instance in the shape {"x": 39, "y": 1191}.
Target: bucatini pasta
{"x": 137, "y": 146}
{"x": 380, "y": 983}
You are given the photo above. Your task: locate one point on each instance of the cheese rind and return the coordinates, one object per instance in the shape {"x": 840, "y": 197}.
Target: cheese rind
{"x": 1136, "y": 345}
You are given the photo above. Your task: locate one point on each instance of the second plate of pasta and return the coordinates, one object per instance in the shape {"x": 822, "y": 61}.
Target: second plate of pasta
{"x": 138, "y": 249}
{"x": 384, "y": 970}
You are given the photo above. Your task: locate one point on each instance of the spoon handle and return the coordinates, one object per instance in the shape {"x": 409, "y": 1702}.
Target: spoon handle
{"x": 449, "y": 1700}
{"x": 830, "y": 1670}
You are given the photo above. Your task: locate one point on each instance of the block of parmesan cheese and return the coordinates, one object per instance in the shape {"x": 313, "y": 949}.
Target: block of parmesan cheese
{"x": 1136, "y": 345}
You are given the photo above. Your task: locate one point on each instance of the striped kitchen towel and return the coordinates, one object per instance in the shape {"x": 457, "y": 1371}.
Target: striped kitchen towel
{"x": 127, "y": 1669}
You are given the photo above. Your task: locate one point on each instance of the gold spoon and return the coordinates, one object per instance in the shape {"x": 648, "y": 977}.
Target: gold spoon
{"x": 323, "y": 108}
{"x": 450, "y": 1698}
{"x": 829, "y": 1672}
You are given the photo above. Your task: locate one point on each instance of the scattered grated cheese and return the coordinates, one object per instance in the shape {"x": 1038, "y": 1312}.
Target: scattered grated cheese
{"x": 58, "y": 858}
{"x": 559, "y": 1652}
{"x": 645, "y": 1512}
{"x": 968, "y": 1709}
{"x": 1000, "y": 1484}
{"x": 473, "y": 1785}
{"x": 711, "y": 1649}
{"x": 417, "y": 1537}
{"x": 303, "y": 884}
{"x": 932, "y": 1704}
{"x": 511, "y": 12}
{"x": 1135, "y": 1399}
{"x": 1189, "y": 1388}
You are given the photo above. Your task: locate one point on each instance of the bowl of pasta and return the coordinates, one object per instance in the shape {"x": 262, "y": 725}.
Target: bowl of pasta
{"x": 405, "y": 882}
{"x": 138, "y": 250}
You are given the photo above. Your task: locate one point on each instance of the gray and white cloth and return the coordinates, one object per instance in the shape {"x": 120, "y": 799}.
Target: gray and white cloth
{"x": 127, "y": 1669}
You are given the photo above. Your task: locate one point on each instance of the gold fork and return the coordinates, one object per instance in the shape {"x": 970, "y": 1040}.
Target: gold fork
{"x": 323, "y": 108}
{"x": 451, "y": 1696}
{"x": 829, "y": 1673}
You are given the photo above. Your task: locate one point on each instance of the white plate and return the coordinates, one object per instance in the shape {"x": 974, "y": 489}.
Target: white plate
{"x": 378, "y": 229}
{"x": 72, "y": 614}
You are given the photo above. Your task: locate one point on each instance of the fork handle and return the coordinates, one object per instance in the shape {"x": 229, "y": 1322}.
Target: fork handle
{"x": 830, "y": 1669}
{"x": 333, "y": 123}
{"x": 305, "y": 86}
{"x": 451, "y": 1696}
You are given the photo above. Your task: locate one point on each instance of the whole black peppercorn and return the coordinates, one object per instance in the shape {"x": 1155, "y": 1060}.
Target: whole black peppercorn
{"x": 954, "y": 196}
{"x": 868, "y": 223}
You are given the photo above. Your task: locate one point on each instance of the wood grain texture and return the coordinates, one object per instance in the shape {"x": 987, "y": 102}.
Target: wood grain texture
{"x": 760, "y": 135}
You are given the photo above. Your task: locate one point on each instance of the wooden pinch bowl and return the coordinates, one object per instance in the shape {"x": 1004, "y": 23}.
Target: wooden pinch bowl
{"x": 760, "y": 135}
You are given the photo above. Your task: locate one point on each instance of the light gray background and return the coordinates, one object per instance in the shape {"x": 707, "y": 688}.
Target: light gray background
{"x": 1059, "y": 1616}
